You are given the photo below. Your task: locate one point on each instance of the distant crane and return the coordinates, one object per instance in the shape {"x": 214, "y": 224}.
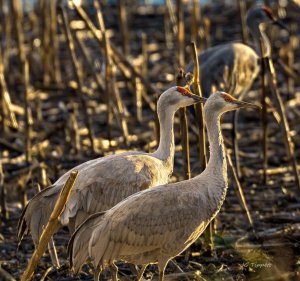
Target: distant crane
{"x": 104, "y": 182}
{"x": 155, "y": 225}
{"x": 236, "y": 61}
{"x": 236, "y": 64}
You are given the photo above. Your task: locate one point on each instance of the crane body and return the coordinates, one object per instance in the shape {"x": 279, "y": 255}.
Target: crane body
{"x": 225, "y": 64}
{"x": 236, "y": 63}
{"x": 105, "y": 181}
{"x": 155, "y": 225}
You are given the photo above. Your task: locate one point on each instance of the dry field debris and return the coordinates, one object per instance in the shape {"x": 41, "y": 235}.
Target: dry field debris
{"x": 81, "y": 82}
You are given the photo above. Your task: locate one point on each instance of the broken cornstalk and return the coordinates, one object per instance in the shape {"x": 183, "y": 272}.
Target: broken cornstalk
{"x": 199, "y": 109}
{"x": 78, "y": 77}
{"x": 284, "y": 122}
{"x": 18, "y": 16}
{"x": 182, "y": 111}
{"x": 50, "y": 227}
{"x": 120, "y": 60}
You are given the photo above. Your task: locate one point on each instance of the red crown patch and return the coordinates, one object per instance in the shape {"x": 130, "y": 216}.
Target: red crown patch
{"x": 184, "y": 91}
{"x": 228, "y": 98}
{"x": 268, "y": 11}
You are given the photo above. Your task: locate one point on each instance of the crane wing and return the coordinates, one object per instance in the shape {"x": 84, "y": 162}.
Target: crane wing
{"x": 104, "y": 185}
{"x": 101, "y": 183}
{"x": 161, "y": 219}
{"x": 77, "y": 247}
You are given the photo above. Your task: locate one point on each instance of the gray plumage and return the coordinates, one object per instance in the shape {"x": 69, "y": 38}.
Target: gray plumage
{"x": 223, "y": 64}
{"x": 104, "y": 182}
{"x": 235, "y": 63}
{"x": 155, "y": 225}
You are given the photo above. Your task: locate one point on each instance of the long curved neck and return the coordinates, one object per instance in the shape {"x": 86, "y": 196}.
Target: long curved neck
{"x": 262, "y": 40}
{"x": 217, "y": 162}
{"x": 166, "y": 147}
{"x": 213, "y": 181}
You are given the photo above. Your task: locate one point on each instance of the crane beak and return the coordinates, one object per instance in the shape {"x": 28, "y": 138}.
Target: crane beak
{"x": 241, "y": 104}
{"x": 197, "y": 98}
{"x": 280, "y": 24}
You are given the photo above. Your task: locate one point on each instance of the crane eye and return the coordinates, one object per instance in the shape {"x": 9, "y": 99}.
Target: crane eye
{"x": 228, "y": 98}
{"x": 184, "y": 91}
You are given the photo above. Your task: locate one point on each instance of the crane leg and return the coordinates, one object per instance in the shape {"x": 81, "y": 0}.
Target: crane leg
{"x": 161, "y": 275}
{"x": 53, "y": 253}
{"x": 141, "y": 272}
{"x": 97, "y": 273}
{"x": 162, "y": 264}
{"x": 114, "y": 272}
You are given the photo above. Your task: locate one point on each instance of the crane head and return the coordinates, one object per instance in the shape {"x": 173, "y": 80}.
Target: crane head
{"x": 273, "y": 19}
{"x": 262, "y": 15}
{"x": 177, "y": 97}
{"x": 223, "y": 102}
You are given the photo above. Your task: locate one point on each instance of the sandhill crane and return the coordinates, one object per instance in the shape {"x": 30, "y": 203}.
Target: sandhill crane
{"x": 236, "y": 61}
{"x": 155, "y": 225}
{"x": 104, "y": 182}
{"x": 236, "y": 64}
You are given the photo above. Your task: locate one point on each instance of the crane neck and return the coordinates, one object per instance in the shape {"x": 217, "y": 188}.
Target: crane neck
{"x": 262, "y": 41}
{"x": 217, "y": 162}
{"x": 211, "y": 185}
{"x": 166, "y": 147}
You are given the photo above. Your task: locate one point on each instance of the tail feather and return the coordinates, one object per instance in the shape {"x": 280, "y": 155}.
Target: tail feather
{"x": 22, "y": 226}
{"x": 100, "y": 252}
{"x": 36, "y": 214}
{"x": 78, "y": 244}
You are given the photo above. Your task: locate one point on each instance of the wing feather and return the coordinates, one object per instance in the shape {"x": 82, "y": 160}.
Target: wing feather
{"x": 78, "y": 243}
{"x": 104, "y": 185}
{"x": 149, "y": 221}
